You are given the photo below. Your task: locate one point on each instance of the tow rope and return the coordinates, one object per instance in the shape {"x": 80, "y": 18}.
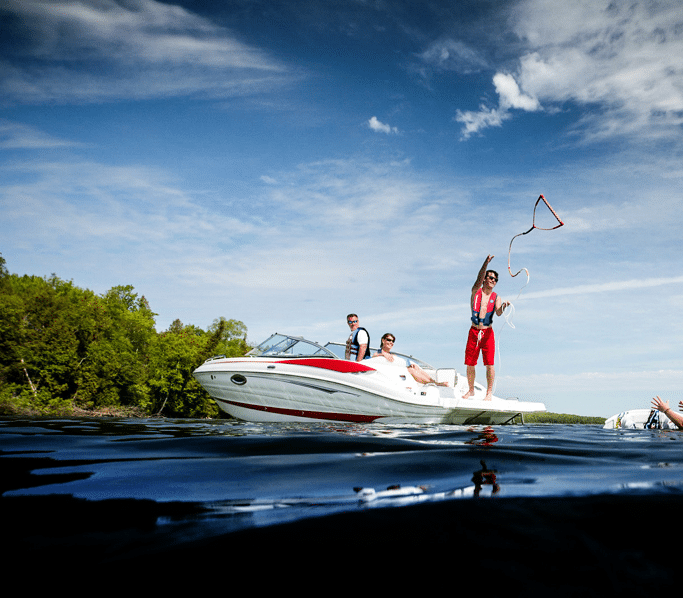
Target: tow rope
{"x": 509, "y": 312}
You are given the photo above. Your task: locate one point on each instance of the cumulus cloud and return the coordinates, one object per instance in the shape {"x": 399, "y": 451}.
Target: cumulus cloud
{"x": 380, "y": 127}
{"x": 619, "y": 61}
{"x": 510, "y": 97}
{"x": 475, "y": 121}
{"x": 624, "y": 58}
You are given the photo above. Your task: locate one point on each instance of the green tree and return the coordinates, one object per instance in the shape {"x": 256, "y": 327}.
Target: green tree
{"x": 230, "y": 338}
{"x": 117, "y": 334}
{"x": 178, "y": 352}
{"x": 63, "y": 347}
{"x": 3, "y": 269}
{"x": 40, "y": 342}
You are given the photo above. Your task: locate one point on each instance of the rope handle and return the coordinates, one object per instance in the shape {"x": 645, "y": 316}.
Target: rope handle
{"x": 540, "y": 197}
{"x": 533, "y": 226}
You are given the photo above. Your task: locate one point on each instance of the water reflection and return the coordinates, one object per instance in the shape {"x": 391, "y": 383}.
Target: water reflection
{"x": 485, "y": 477}
{"x": 485, "y": 437}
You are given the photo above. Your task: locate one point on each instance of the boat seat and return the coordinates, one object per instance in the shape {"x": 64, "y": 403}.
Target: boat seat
{"x": 447, "y": 375}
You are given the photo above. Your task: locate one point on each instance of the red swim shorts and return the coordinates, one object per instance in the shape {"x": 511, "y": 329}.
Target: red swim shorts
{"x": 485, "y": 343}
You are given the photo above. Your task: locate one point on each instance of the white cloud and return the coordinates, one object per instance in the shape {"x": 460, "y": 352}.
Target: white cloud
{"x": 95, "y": 51}
{"x": 510, "y": 95}
{"x": 607, "y": 287}
{"x": 452, "y": 55}
{"x": 380, "y": 127}
{"x": 620, "y": 61}
{"x": 623, "y": 58}
{"x": 20, "y": 136}
{"x": 473, "y": 122}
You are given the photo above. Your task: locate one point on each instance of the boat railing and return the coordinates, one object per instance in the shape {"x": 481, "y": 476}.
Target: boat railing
{"x": 214, "y": 357}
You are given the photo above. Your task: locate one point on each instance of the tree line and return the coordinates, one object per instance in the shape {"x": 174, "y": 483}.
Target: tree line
{"x": 65, "y": 350}
{"x": 562, "y": 418}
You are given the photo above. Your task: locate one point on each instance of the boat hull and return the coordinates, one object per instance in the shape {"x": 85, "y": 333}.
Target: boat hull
{"x": 305, "y": 390}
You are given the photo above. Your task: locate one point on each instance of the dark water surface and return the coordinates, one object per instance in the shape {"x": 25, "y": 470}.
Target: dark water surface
{"x": 557, "y": 508}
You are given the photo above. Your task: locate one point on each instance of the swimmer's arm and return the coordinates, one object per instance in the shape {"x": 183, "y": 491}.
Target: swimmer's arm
{"x": 663, "y": 406}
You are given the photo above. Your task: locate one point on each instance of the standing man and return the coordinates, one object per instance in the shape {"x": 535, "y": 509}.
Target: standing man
{"x": 358, "y": 343}
{"x": 484, "y": 303}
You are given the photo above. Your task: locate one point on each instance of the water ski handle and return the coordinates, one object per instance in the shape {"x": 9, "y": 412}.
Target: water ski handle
{"x": 541, "y": 197}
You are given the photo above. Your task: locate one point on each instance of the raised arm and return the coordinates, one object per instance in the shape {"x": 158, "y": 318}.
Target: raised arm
{"x": 663, "y": 406}
{"x": 482, "y": 273}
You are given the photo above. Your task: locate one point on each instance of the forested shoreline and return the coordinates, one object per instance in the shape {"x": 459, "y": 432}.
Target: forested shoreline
{"x": 562, "y": 418}
{"x": 65, "y": 350}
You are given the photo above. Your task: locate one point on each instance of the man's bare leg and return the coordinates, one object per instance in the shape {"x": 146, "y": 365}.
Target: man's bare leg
{"x": 470, "y": 382}
{"x": 490, "y": 377}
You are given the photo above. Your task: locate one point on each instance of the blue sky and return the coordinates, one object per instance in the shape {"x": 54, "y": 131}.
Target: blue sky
{"x": 285, "y": 163}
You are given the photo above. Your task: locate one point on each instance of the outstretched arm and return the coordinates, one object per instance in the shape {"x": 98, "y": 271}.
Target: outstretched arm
{"x": 663, "y": 406}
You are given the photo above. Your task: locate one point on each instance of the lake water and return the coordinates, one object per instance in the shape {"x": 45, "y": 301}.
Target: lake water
{"x": 536, "y": 502}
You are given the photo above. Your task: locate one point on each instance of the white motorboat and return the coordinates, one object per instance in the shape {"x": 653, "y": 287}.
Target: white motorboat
{"x": 639, "y": 419}
{"x": 288, "y": 378}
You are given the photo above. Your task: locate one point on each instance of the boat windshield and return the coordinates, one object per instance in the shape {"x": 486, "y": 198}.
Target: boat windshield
{"x": 280, "y": 345}
{"x": 339, "y": 349}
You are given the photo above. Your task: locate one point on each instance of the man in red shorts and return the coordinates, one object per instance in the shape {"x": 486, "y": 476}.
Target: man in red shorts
{"x": 484, "y": 303}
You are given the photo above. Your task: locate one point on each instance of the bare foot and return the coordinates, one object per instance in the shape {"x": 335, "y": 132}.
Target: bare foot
{"x": 469, "y": 394}
{"x": 488, "y": 396}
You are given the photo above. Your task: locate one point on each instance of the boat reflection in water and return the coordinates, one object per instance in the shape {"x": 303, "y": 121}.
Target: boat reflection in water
{"x": 291, "y": 379}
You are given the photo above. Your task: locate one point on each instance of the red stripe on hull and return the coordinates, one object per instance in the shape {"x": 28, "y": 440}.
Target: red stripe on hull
{"x": 338, "y": 417}
{"x": 338, "y": 365}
